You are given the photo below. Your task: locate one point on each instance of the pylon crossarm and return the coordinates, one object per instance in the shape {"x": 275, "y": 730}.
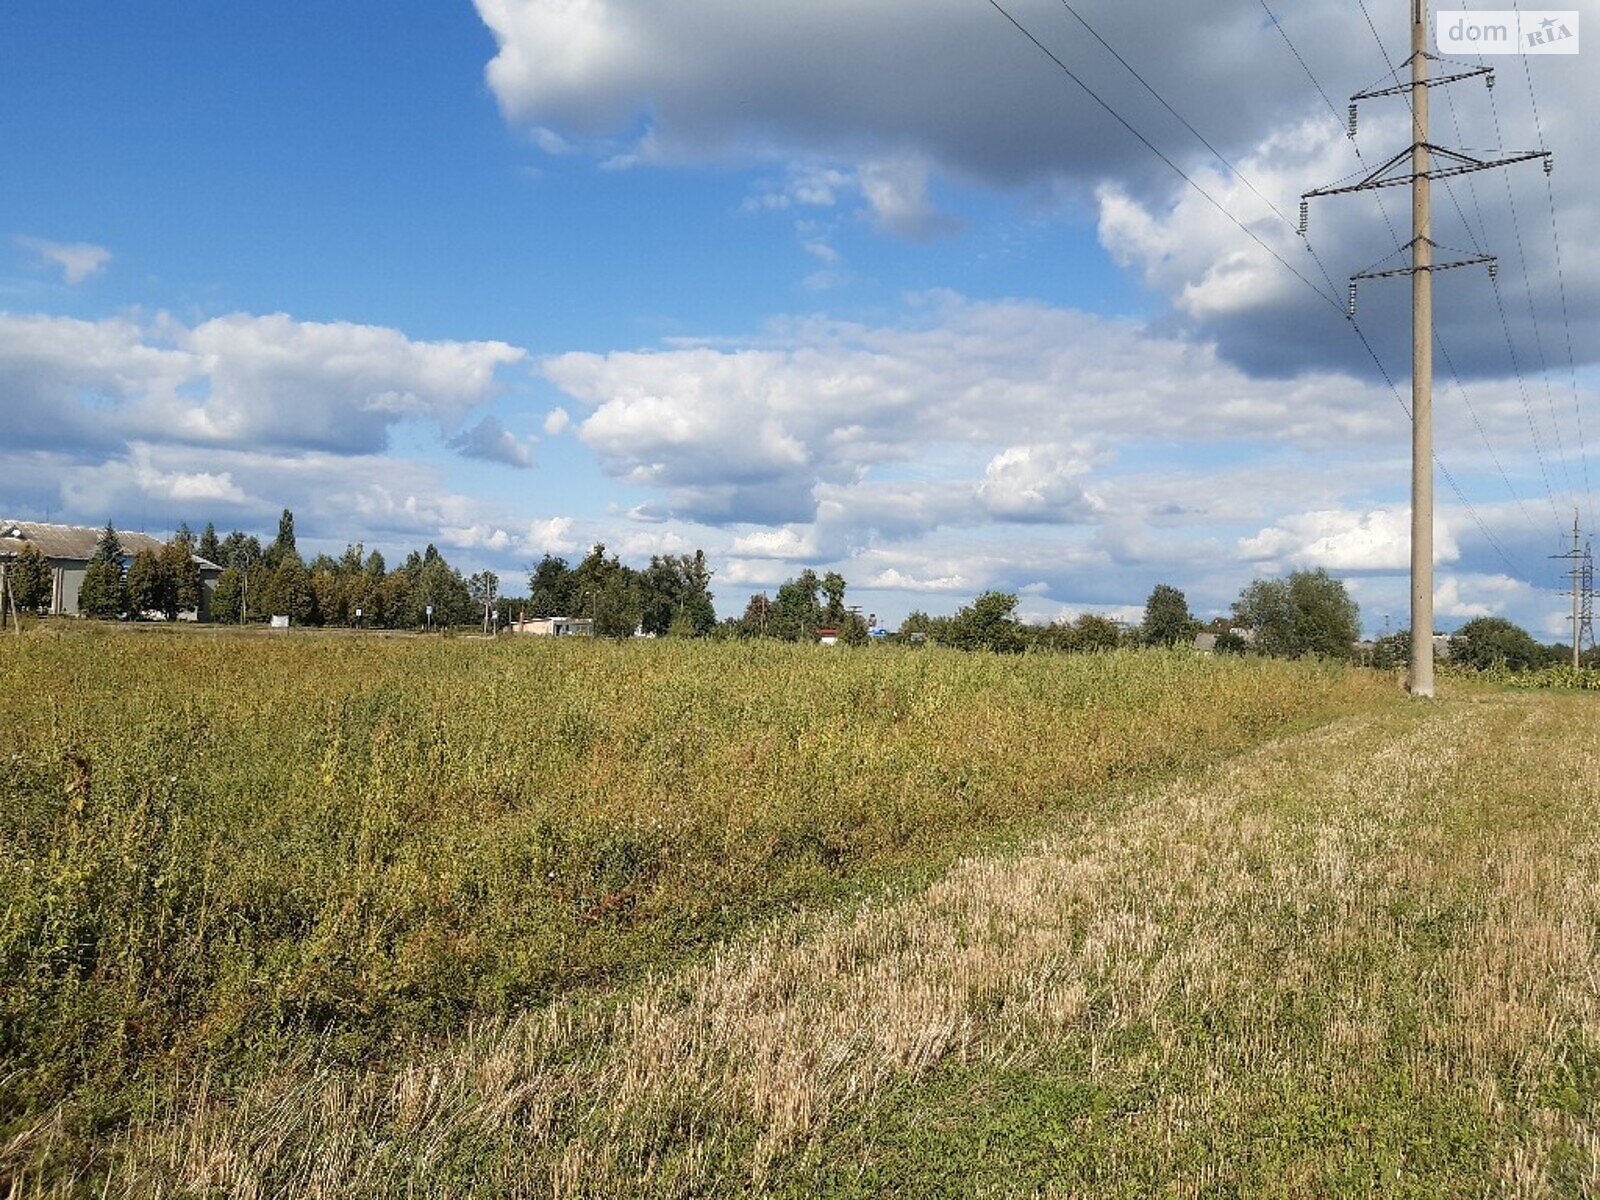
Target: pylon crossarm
{"x": 1365, "y": 183}
{"x": 1468, "y": 165}
{"x": 1461, "y": 164}
{"x": 1444, "y": 266}
{"x": 1405, "y": 89}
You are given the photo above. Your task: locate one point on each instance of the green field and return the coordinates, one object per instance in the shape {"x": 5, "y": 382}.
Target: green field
{"x": 340, "y": 917}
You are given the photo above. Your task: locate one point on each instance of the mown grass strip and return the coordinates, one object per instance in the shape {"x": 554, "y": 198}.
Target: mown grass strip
{"x": 1365, "y": 967}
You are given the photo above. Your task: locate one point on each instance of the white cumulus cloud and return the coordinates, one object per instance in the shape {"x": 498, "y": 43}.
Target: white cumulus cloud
{"x": 240, "y": 380}
{"x": 1338, "y": 540}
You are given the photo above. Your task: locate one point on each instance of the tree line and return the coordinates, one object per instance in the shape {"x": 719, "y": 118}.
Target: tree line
{"x": 358, "y": 588}
{"x": 1308, "y": 613}
{"x": 1303, "y": 614}
{"x": 1483, "y": 644}
{"x": 671, "y": 596}
{"x": 259, "y": 582}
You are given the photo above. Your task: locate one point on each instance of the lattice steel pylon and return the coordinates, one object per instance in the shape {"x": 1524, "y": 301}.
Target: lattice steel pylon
{"x": 1582, "y": 591}
{"x": 1586, "y": 604}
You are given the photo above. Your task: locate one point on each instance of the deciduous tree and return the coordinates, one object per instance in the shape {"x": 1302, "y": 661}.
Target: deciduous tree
{"x": 1309, "y": 613}
{"x": 796, "y": 613}
{"x": 552, "y": 589}
{"x": 240, "y": 550}
{"x": 988, "y": 623}
{"x": 181, "y": 575}
{"x": 1092, "y": 633}
{"x": 674, "y": 586}
{"x": 758, "y": 616}
{"x": 289, "y": 592}
{"x": 225, "y": 599}
{"x": 833, "y": 589}
{"x": 1486, "y": 642}
{"x": 606, "y": 592}
{"x": 1167, "y": 619}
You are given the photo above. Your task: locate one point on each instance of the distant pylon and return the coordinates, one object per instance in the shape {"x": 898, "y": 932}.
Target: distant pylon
{"x": 1586, "y": 612}
{"x": 1582, "y": 591}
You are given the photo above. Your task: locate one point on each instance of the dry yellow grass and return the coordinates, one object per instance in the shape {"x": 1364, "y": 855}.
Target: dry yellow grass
{"x": 1360, "y": 961}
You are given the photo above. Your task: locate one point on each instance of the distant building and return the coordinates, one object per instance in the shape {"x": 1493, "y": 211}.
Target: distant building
{"x": 554, "y": 627}
{"x": 1206, "y": 642}
{"x": 68, "y": 549}
{"x": 827, "y": 635}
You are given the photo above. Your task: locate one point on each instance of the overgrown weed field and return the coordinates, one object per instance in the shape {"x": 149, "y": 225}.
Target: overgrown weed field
{"x": 309, "y": 917}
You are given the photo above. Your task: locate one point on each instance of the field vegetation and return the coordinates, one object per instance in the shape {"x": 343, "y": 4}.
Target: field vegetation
{"x": 239, "y": 862}
{"x": 1359, "y": 960}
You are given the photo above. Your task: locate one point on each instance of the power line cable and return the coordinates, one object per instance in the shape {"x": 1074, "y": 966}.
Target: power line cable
{"x": 1533, "y": 315}
{"x": 1329, "y": 299}
{"x": 1561, "y": 280}
{"x": 1483, "y": 528}
{"x": 1333, "y": 288}
{"x": 1223, "y": 159}
{"x": 1184, "y": 121}
{"x": 1479, "y": 246}
{"x": 1395, "y": 235}
{"x": 1151, "y": 146}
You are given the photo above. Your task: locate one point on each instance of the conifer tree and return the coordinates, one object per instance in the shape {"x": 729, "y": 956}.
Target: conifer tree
{"x": 283, "y": 546}
{"x": 210, "y": 547}
{"x": 29, "y": 579}
{"x": 102, "y": 593}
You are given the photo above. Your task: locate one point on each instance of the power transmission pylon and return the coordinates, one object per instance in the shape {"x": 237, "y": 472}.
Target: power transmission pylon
{"x": 1420, "y": 178}
{"x": 1586, "y": 610}
{"x": 1582, "y": 572}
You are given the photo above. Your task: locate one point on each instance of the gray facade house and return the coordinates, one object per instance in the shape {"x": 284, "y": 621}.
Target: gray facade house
{"x": 68, "y": 549}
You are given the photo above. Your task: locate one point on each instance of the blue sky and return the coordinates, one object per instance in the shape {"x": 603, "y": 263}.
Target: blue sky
{"x": 862, "y": 286}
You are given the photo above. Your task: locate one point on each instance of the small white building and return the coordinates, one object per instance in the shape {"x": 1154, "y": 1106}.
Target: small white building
{"x": 554, "y": 627}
